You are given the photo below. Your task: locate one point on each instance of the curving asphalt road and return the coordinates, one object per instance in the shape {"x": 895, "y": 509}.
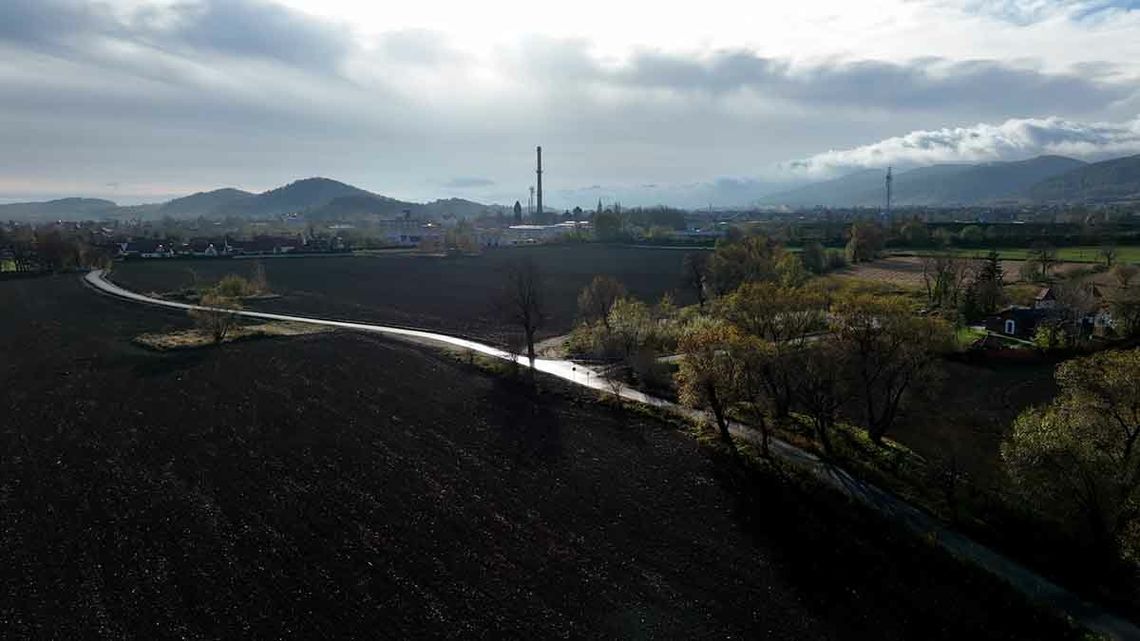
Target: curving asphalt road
{"x": 1032, "y": 585}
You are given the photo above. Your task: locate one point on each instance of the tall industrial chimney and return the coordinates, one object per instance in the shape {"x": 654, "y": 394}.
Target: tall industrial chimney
{"x": 890, "y": 179}
{"x": 539, "y": 172}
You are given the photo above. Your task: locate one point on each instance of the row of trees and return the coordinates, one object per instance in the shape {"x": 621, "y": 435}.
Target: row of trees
{"x": 767, "y": 354}
{"x": 750, "y": 258}
{"x": 762, "y": 343}
{"x": 768, "y": 350}
{"x": 49, "y": 249}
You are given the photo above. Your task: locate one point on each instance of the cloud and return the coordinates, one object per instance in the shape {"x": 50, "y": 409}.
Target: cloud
{"x": 39, "y": 22}
{"x": 918, "y": 84}
{"x": 1013, "y": 139}
{"x": 255, "y": 28}
{"x": 417, "y": 47}
{"x": 235, "y": 28}
{"x": 191, "y": 94}
{"x": 468, "y": 182}
{"x": 1028, "y": 12}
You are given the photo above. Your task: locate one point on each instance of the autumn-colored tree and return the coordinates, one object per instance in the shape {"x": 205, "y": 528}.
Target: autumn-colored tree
{"x": 892, "y": 352}
{"x": 708, "y": 372}
{"x": 865, "y": 243}
{"x": 596, "y": 299}
{"x": 1078, "y": 457}
{"x": 748, "y": 259}
{"x": 791, "y": 271}
{"x": 756, "y": 359}
{"x": 630, "y": 325}
{"x": 783, "y": 317}
{"x": 234, "y": 287}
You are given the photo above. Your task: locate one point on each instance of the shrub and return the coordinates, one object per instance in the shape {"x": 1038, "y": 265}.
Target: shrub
{"x": 233, "y": 287}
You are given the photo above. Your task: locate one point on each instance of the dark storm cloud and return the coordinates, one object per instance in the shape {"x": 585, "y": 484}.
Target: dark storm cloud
{"x": 918, "y": 84}
{"x": 39, "y": 22}
{"x": 236, "y": 28}
{"x": 253, "y": 28}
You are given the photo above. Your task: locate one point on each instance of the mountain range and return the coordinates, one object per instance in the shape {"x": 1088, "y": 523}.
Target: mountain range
{"x": 314, "y": 198}
{"x": 1040, "y": 180}
{"x": 1044, "y": 179}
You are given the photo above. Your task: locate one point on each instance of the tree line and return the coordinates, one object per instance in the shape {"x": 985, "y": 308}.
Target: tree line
{"x": 50, "y": 248}
{"x": 770, "y": 352}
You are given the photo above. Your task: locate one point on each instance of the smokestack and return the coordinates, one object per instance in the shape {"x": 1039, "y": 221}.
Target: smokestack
{"x": 539, "y": 173}
{"x": 890, "y": 179}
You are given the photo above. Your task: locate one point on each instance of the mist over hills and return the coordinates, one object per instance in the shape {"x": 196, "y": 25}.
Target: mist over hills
{"x": 59, "y": 209}
{"x": 315, "y": 198}
{"x": 1040, "y": 180}
{"x": 936, "y": 185}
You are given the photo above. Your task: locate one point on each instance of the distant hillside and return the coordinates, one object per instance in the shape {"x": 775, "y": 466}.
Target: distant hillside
{"x": 829, "y": 193}
{"x": 314, "y": 198}
{"x": 299, "y": 196}
{"x": 937, "y": 185}
{"x": 63, "y": 209}
{"x": 359, "y": 206}
{"x": 456, "y": 207}
{"x": 977, "y": 184}
{"x": 1116, "y": 179}
{"x": 218, "y": 202}
{"x": 355, "y": 207}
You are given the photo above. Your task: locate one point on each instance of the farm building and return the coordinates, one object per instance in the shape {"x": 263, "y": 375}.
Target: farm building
{"x": 146, "y": 248}
{"x": 1016, "y": 321}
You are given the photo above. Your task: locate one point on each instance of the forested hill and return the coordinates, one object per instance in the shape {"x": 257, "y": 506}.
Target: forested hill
{"x": 936, "y": 185}
{"x": 1116, "y": 179}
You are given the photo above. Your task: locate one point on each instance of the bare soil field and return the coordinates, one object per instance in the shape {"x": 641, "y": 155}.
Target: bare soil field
{"x": 453, "y": 294}
{"x": 345, "y": 486}
{"x": 905, "y": 272}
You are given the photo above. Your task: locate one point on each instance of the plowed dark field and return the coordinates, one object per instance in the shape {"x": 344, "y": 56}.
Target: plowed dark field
{"x": 343, "y": 486}
{"x": 452, "y": 294}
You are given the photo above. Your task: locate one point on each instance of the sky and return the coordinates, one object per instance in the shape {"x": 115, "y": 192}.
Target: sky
{"x": 691, "y": 104}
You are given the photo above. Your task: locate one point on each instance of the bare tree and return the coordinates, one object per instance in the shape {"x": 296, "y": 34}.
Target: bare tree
{"x": 1124, "y": 274}
{"x": 1108, "y": 254}
{"x": 258, "y": 280}
{"x": 216, "y": 316}
{"x": 521, "y": 301}
{"x": 1044, "y": 256}
{"x": 945, "y": 277}
{"x": 696, "y": 266}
